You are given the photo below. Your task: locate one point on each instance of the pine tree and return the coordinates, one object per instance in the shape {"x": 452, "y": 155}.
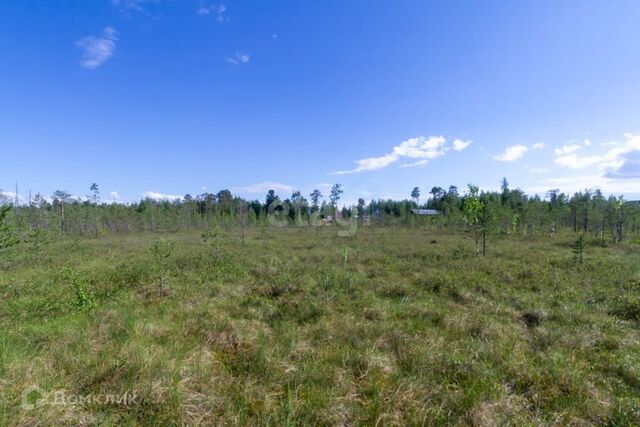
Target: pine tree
{"x": 415, "y": 195}
{"x": 7, "y": 237}
{"x": 578, "y": 247}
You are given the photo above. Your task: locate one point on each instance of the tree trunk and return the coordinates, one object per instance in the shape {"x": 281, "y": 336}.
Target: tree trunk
{"x": 475, "y": 235}
{"x": 62, "y": 218}
{"x": 484, "y": 242}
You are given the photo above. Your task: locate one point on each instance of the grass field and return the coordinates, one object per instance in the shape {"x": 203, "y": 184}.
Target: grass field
{"x": 389, "y": 327}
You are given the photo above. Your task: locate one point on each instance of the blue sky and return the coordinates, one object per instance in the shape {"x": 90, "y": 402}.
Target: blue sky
{"x": 179, "y": 96}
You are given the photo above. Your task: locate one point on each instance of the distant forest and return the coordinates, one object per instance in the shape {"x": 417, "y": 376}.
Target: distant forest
{"x": 482, "y": 212}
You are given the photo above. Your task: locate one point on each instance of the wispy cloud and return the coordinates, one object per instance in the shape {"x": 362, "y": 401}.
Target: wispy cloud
{"x": 571, "y": 184}
{"x": 459, "y": 145}
{"x": 615, "y": 166}
{"x": 238, "y": 58}
{"x": 414, "y": 164}
{"x": 128, "y": 6}
{"x": 567, "y": 149}
{"x": 537, "y": 146}
{"x": 263, "y": 187}
{"x": 160, "y": 196}
{"x": 512, "y": 153}
{"x": 420, "y": 149}
{"x": 97, "y": 50}
{"x": 611, "y": 160}
{"x": 218, "y": 11}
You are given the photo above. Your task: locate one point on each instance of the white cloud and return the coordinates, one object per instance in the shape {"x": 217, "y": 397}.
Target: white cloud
{"x": 7, "y": 197}
{"x": 238, "y": 58}
{"x": 218, "y": 11}
{"x": 572, "y": 184}
{"x": 263, "y": 187}
{"x": 324, "y": 188}
{"x": 127, "y": 6}
{"x": 459, "y": 145}
{"x": 414, "y": 164}
{"x": 371, "y": 164}
{"x": 616, "y": 167}
{"x": 609, "y": 144}
{"x": 512, "y": 153}
{"x": 160, "y": 196}
{"x": 537, "y": 146}
{"x": 97, "y": 50}
{"x": 114, "y": 197}
{"x": 573, "y": 161}
{"x": 567, "y": 149}
{"x": 421, "y": 148}
{"x": 611, "y": 160}
{"x": 630, "y": 168}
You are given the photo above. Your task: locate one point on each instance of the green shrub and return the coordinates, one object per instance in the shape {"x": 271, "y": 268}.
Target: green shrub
{"x": 84, "y": 298}
{"x": 627, "y": 307}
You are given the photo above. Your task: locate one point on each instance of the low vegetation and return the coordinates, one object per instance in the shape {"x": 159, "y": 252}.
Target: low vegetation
{"x": 392, "y": 326}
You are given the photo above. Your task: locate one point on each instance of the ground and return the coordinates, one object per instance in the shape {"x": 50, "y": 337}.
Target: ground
{"x": 296, "y": 327}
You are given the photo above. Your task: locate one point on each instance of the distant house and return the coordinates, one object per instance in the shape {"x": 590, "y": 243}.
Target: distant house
{"x": 424, "y": 211}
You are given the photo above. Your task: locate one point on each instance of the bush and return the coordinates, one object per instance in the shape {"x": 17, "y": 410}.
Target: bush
{"x": 627, "y": 307}
{"x": 84, "y": 298}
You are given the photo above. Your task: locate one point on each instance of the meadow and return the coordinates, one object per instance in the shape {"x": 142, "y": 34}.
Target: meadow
{"x": 392, "y": 326}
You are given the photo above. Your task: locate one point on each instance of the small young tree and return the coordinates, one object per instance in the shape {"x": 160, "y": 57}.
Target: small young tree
{"x": 61, "y": 197}
{"x": 486, "y": 219}
{"x": 578, "y": 247}
{"x": 95, "y": 199}
{"x": 161, "y": 250}
{"x": 619, "y": 212}
{"x": 242, "y": 216}
{"x": 84, "y": 298}
{"x": 473, "y": 211}
{"x": 7, "y": 237}
{"x": 37, "y": 239}
{"x": 326, "y": 282}
{"x": 212, "y": 237}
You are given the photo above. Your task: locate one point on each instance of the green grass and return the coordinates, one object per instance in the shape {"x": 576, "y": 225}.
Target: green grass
{"x": 390, "y": 327}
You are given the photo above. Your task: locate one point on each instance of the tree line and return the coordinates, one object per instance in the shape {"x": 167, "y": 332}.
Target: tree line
{"x": 480, "y": 212}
